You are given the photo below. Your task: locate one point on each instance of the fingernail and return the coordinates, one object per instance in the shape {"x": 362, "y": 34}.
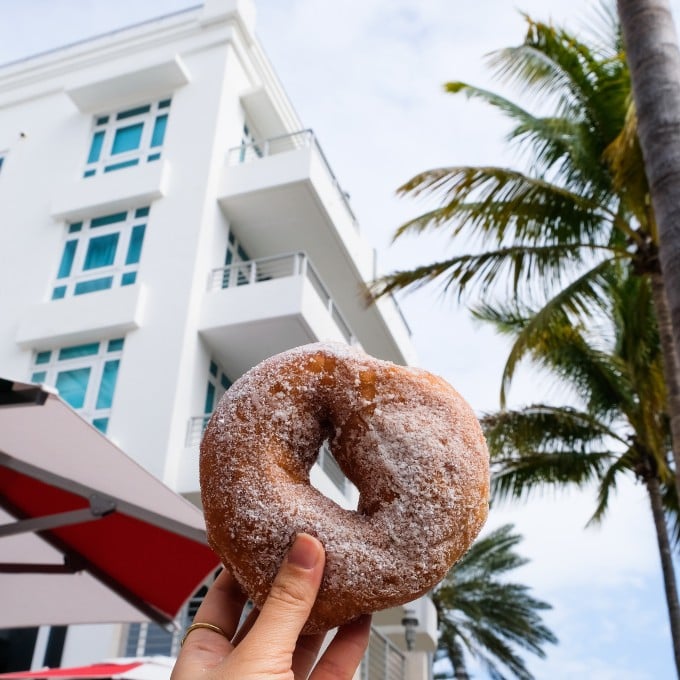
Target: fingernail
{"x": 305, "y": 552}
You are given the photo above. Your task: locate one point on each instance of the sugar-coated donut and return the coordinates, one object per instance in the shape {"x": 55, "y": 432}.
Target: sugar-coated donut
{"x": 403, "y": 436}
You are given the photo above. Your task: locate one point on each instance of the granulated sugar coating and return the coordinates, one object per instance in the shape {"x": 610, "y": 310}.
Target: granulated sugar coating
{"x": 404, "y": 437}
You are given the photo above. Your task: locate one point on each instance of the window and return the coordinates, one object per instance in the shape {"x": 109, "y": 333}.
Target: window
{"x": 85, "y": 376}
{"x": 101, "y": 253}
{"x": 148, "y": 639}
{"x": 218, "y": 384}
{"x": 2, "y": 160}
{"x": 249, "y": 149}
{"x": 127, "y": 138}
{"x": 235, "y": 275}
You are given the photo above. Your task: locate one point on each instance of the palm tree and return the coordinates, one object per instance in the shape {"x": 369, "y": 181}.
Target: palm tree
{"x": 551, "y": 232}
{"x": 654, "y": 58}
{"x": 481, "y": 613}
{"x": 618, "y": 425}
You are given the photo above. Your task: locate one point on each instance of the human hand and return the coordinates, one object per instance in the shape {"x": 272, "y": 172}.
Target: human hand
{"x": 269, "y": 644}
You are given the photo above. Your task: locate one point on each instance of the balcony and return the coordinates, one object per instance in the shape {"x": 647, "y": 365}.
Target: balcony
{"x": 281, "y": 194}
{"x": 261, "y": 307}
{"x": 290, "y": 143}
{"x": 410, "y": 626}
{"x": 383, "y": 660}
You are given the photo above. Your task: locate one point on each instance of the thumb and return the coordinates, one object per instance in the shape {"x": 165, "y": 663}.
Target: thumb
{"x": 290, "y": 600}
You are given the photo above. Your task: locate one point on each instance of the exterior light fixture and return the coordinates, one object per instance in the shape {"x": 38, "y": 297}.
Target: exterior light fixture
{"x": 410, "y": 623}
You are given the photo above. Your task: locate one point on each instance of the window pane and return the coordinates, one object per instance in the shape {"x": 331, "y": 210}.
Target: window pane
{"x": 96, "y": 147}
{"x": 108, "y": 384}
{"x": 120, "y": 166}
{"x": 115, "y": 345}
{"x": 43, "y": 357}
{"x": 72, "y": 386}
{"x": 93, "y": 286}
{"x": 39, "y": 377}
{"x": 210, "y": 399}
{"x": 59, "y": 292}
{"x": 128, "y": 279}
{"x": 76, "y": 351}
{"x": 67, "y": 259}
{"x": 127, "y": 138}
{"x": 159, "y": 130}
{"x": 135, "y": 248}
{"x": 108, "y": 219}
{"x": 133, "y": 112}
{"x": 101, "y": 251}
{"x": 102, "y": 424}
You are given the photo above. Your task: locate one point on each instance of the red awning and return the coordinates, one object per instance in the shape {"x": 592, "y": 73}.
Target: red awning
{"x": 86, "y": 534}
{"x": 95, "y": 671}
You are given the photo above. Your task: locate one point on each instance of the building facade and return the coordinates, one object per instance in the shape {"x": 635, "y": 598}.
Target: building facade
{"x": 167, "y": 223}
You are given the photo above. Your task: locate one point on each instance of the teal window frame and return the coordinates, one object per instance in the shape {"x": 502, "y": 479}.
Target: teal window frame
{"x": 127, "y": 138}
{"x": 85, "y": 375}
{"x": 101, "y": 253}
{"x": 218, "y": 384}
{"x": 235, "y": 254}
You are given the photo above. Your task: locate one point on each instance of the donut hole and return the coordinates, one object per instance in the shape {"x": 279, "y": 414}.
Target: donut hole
{"x": 347, "y": 496}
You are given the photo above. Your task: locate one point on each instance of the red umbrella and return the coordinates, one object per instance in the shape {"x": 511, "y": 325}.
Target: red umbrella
{"x": 86, "y": 534}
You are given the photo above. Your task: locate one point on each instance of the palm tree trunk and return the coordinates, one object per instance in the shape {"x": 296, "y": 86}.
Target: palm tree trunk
{"x": 670, "y": 585}
{"x": 670, "y": 367}
{"x": 457, "y": 659}
{"x": 654, "y": 61}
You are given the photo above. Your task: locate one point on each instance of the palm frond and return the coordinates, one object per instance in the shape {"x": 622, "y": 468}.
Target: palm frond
{"x": 519, "y": 478}
{"x": 506, "y": 205}
{"x": 542, "y": 426}
{"x": 625, "y": 463}
{"x": 492, "y": 617}
{"x": 534, "y": 270}
{"x": 578, "y": 300}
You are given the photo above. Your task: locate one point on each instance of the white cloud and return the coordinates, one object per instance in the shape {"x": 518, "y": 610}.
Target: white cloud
{"x": 620, "y": 552}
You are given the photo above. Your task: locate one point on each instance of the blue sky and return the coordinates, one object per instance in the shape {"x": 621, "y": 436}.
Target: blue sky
{"x": 367, "y": 76}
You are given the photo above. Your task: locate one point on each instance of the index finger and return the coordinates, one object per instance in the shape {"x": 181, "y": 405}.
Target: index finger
{"x": 290, "y": 599}
{"x": 223, "y": 604}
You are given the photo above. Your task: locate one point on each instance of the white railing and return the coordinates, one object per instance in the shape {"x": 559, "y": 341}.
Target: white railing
{"x": 282, "y": 144}
{"x": 195, "y": 429}
{"x": 382, "y": 660}
{"x": 277, "y": 267}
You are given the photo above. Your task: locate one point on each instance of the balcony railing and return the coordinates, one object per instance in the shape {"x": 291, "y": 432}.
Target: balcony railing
{"x": 383, "y": 660}
{"x": 282, "y": 144}
{"x": 277, "y": 267}
{"x": 195, "y": 429}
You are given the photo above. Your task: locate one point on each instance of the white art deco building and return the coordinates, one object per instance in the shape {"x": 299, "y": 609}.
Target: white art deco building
{"x": 167, "y": 222}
